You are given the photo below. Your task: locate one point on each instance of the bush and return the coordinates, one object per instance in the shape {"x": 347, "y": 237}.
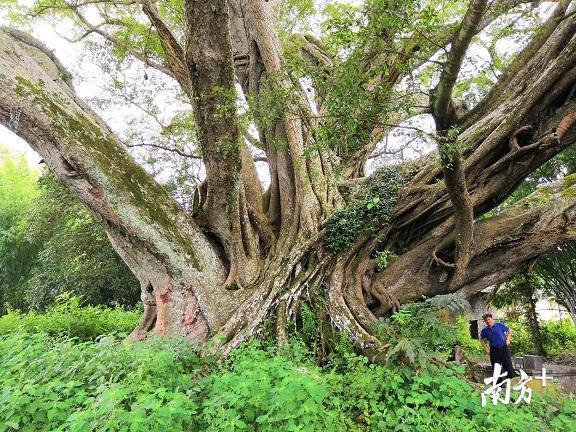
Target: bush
{"x": 98, "y": 383}
{"x": 420, "y": 329}
{"x": 559, "y": 336}
{"x": 471, "y": 346}
{"x": 266, "y": 392}
{"x": 377, "y": 398}
{"x": 68, "y": 318}
{"x": 60, "y": 385}
{"x": 522, "y": 342}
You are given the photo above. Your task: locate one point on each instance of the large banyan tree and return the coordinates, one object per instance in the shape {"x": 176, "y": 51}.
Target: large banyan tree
{"x": 315, "y": 105}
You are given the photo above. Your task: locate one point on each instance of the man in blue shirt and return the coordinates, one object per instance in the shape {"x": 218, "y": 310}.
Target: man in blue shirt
{"x": 499, "y": 336}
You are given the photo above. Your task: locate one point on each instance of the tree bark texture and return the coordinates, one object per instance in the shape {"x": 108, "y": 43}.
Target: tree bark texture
{"x": 245, "y": 254}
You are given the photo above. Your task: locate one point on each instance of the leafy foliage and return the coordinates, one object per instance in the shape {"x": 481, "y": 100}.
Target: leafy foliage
{"x": 17, "y": 193}
{"x": 471, "y": 346}
{"x": 269, "y": 393}
{"x": 372, "y": 208}
{"x": 384, "y": 258}
{"x": 50, "y": 244}
{"x": 555, "y": 274}
{"x": 74, "y": 254}
{"x": 454, "y": 302}
{"x": 382, "y": 399}
{"x": 558, "y": 336}
{"x": 57, "y": 384}
{"x": 68, "y": 318}
{"x": 418, "y": 330}
{"x": 63, "y": 385}
{"x": 375, "y": 30}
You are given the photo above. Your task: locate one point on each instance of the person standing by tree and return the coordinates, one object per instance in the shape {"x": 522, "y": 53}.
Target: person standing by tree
{"x": 499, "y": 336}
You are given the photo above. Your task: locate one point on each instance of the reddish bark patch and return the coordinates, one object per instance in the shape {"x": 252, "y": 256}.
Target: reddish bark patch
{"x": 165, "y": 297}
{"x": 194, "y": 325}
{"x": 162, "y": 308}
{"x": 96, "y": 192}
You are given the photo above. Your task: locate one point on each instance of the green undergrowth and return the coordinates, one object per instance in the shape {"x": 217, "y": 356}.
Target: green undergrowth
{"x": 70, "y": 370}
{"x": 557, "y": 337}
{"x": 57, "y": 384}
{"x": 70, "y": 319}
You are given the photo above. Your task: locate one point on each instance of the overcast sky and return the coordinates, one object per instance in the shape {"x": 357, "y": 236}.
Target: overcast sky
{"x": 75, "y": 60}
{"x": 68, "y": 54}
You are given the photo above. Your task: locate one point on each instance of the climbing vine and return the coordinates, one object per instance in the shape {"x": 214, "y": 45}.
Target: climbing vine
{"x": 370, "y": 208}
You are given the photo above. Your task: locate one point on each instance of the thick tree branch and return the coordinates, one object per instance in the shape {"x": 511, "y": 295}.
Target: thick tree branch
{"x": 444, "y": 115}
{"x": 161, "y": 244}
{"x": 425, "y": 46}
{"x": 442, "y": 95}
{"x": 422, "y": 207}
{"x": 503, "y": 246}
{"x": 172, "y": 49}
{"x": 499, "y": 89}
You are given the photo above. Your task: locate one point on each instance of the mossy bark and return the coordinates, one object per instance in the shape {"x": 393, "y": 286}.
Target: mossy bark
{"x": 277, "y": 240}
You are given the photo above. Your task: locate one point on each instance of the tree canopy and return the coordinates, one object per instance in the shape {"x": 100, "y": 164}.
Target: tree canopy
{"x": 50, "y": 244}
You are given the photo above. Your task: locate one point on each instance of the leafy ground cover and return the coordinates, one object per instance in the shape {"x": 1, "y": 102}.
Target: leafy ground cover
{"x": 89, "y": 381}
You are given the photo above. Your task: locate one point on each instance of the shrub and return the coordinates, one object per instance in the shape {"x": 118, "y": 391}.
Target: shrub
{"x": 266, "y": 392}
{"x": 522, "y": 342}
{"x": 559, "y": 336}
{"x": 419, "y": 329}
{"x": 69, "y": 318}
{"x": 59, "y": 385}
{"x": 62, "y": 385}
{"x": 471, "y": 346}
{"x": 380, "y": 398}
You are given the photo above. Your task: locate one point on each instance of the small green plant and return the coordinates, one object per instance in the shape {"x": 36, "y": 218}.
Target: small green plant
{"x": 373, "y": 202}
{"x": 417, "y": 331}
{"x": 384, "y": 258}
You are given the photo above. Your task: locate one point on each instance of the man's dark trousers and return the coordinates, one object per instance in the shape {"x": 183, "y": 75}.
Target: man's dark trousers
{"x": 502, "y": 355}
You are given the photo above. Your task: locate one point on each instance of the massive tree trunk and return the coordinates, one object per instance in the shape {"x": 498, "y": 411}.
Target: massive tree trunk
{"x": 245, "y": 255}
{"x": 177, "y": 266}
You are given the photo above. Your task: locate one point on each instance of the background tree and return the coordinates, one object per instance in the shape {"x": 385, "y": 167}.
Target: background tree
{"x": 17, "y": 194}
{"x": 256, "y": 85}
{"x": 50, "y": 245}
{"x": 74, "y": 254}
{"x": 523, "y": 291}
{"x": 556, "y": 273}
